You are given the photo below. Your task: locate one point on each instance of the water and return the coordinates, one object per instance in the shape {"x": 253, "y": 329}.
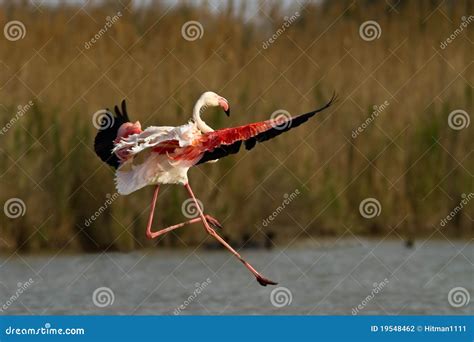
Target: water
{"x": 321, "y": 279}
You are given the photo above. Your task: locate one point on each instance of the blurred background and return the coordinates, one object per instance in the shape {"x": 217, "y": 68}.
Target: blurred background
{"x": 391, "y": 160}
{"x": 408, "y": 157}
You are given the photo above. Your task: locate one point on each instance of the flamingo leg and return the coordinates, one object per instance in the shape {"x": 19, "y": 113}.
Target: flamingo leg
{"x": 152, "y": 235}
{"x": 261, "y": 279}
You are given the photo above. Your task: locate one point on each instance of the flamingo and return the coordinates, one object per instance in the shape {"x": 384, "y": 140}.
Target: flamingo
{"x": 164, "y": 154}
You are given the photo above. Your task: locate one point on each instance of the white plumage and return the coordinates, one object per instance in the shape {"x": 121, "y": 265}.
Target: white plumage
{"x": 136, "y": 172}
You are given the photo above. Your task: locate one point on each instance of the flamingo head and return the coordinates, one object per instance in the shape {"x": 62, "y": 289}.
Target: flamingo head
{"x": 211, "y": 99}
{"x": 127, "y": 129}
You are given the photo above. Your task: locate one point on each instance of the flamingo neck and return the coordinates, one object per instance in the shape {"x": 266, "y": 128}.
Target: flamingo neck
{"x": 201, "y": 125}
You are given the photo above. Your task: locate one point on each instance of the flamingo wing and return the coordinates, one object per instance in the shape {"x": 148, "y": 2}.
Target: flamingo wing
{"x": 104, "y": 140}
{"x": 223, "y": 142}
{"x": 159, "y": 139}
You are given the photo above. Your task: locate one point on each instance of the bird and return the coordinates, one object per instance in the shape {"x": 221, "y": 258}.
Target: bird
{"x": 164, "y": 154}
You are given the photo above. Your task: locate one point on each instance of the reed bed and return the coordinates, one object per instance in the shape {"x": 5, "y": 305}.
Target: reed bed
{"x": 406, "y": 156}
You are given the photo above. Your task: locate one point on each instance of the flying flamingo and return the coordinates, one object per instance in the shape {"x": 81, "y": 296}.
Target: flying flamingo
{"x": 164, "y": 154}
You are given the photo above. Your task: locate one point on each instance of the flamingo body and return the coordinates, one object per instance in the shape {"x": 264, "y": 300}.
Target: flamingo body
{"x": 158, "y": 167}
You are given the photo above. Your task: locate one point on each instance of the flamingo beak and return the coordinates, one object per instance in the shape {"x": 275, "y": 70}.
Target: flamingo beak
{"x": 225, "y": 105}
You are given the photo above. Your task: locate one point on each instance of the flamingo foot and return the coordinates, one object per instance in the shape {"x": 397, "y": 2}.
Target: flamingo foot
{"x": 213, "y": 222}
{"x": 264, "y": 281}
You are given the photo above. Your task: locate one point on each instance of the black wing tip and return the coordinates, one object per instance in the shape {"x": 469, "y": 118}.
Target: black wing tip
{"x": 334, "y": 98}
{"x": 121, "y": 111}
{"x": 124, "y": 110}
{"x": 104, "y": 140}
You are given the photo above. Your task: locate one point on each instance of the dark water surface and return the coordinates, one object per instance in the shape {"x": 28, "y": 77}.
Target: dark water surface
{"x": 327, "y": 278}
